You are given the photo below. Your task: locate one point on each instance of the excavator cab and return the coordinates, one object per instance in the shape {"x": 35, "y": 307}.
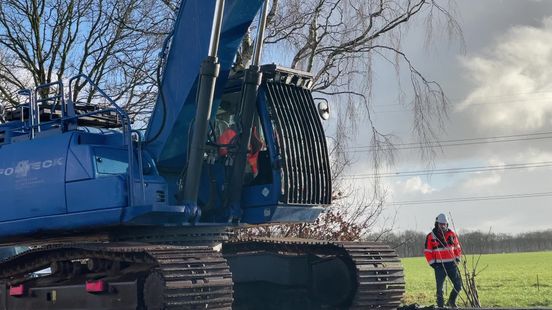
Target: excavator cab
{"x": 287, "y": 177}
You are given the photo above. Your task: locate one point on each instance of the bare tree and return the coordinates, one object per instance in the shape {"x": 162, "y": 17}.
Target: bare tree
{"x": 114, "y": 42}
{"x": 338, "y": 41}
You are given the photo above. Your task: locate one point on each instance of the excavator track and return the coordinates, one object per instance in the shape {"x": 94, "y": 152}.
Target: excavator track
{"x": 342, "y": 275}
{"x": 380, "y": 275}
{"x": 167, "y": 277}
{"x": 246, "y": 274}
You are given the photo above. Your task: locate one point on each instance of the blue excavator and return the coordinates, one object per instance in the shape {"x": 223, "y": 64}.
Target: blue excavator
{"x": 114, "y": 218}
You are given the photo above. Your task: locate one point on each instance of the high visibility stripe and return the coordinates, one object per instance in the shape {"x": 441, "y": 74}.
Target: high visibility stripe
{"x": 430, "y": 260}
{"x": 444, "y": 255}
{"x": 428, "y": 252}
{"x": 451, "y": 249}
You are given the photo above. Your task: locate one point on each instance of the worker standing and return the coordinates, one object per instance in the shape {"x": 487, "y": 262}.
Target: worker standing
{"x": 443, "y": 253}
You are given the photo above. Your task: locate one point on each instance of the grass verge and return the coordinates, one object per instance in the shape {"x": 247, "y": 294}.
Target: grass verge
{"x": 505, "y": 280}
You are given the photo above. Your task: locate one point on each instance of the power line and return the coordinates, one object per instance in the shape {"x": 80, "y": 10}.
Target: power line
{"x": 471, "y": 105}
{"x": 456, "y": 101}
{"x": 457, "y": 142}
{"x": 473, "y": 139}
{"x": 449, "y": 170}
{"x": 449, "y": 144}
{"x": 471, "y": 198}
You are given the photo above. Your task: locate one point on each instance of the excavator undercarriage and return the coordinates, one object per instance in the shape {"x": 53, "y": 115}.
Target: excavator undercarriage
{"x": 312, "y": 274}
{"x": 242, "y": 274}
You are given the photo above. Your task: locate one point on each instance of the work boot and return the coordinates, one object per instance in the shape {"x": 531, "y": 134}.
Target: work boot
{"x": 440, "y": 302}
{"x": 451, "y": 304}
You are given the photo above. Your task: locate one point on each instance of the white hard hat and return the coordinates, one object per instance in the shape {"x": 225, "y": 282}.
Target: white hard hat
{"x": 441, "y": 219}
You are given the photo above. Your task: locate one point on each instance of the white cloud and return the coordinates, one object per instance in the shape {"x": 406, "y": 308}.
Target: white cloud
{"x": 533, "y": 155}
{"x": 513, "y": 80}
{"x": 480, "y": 181}
{"x": 415, "y": 185}
{"x": 497, "y": 224}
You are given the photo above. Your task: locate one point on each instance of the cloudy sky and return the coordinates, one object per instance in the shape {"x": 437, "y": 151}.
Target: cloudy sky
{"x": 493, "y": 169}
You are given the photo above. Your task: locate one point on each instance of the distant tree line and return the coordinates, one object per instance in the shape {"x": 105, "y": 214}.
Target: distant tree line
{"x": 411, "y": 243}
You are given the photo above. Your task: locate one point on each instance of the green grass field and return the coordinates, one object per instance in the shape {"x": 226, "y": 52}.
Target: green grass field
{"x": 508, "y": 280}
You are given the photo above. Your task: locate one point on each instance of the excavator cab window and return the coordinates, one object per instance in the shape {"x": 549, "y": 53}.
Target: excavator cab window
{"x": 226, "y": 113}
{"x": 226, "y": 128}
{"x": 227, "y": 118}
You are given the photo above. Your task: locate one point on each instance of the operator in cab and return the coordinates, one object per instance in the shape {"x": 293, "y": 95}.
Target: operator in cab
{"x": 229, "y": 136}
{"x": 443, "y": 254}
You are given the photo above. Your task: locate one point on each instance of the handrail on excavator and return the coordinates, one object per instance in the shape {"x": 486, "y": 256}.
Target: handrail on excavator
{"x": 125, "y": 122}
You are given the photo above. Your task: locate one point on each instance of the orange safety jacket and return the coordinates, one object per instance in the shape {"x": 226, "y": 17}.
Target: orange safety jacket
{"x": 438, "y": 252}
{"x": 229, "y": 136}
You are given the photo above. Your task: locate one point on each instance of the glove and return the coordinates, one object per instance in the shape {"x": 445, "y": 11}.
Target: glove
{"x": 457, "y": 260}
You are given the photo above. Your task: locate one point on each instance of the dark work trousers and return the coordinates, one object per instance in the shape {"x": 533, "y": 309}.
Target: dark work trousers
{"x": 442, "y": 270}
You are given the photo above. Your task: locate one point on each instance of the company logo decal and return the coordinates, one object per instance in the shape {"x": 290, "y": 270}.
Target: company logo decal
{"x": 23, "y": 167}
